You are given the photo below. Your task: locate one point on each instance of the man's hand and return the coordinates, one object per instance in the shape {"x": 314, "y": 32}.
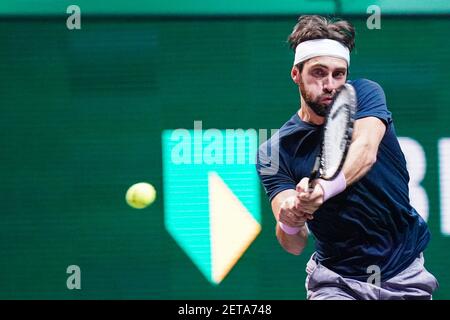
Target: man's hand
{"x": 286, "y": 212}
{"x": 290, "y": 213}
{"x": 309, "y": 202}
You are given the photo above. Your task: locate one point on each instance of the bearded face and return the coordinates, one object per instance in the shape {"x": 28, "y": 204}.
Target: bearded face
{"x": 319, "y": 79}
{"x": 319, "y": 104}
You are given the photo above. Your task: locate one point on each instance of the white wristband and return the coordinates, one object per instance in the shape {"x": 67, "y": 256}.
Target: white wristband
{"x": 333, "y": 187}
{"x": 289, "y": 230}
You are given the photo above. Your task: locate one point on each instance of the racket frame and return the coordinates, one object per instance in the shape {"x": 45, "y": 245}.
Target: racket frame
{"x": 316, "y": 172}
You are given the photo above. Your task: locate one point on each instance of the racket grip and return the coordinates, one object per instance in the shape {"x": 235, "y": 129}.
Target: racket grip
{"x": 289, "y": 230}
{"x": 310, "y": 185}
{"x": 333, "y": 187}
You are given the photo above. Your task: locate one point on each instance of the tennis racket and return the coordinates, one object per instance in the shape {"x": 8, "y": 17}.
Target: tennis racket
{"x": 337, "y": 136}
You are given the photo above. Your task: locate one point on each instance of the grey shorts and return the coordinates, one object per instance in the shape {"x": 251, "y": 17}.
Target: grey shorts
{"x": 415, "y": 282}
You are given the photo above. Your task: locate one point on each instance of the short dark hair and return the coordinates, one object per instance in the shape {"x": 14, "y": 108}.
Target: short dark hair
{"x": 311, "y": 27}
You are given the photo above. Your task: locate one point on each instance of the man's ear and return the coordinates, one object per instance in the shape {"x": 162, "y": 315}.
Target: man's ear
{"x": 295, "y": 75}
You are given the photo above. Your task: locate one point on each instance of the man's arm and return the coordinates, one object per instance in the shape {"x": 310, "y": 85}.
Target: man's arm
{"x": 362, "y": 154}
{"x": 286, "y": 210}
{"x": 363, "y": 150}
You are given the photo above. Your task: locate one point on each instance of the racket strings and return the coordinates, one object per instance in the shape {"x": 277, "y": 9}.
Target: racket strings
{"x": 337, "y": 134}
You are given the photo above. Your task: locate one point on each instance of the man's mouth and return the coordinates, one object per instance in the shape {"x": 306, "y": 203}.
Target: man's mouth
{"x": 326, "y": 99}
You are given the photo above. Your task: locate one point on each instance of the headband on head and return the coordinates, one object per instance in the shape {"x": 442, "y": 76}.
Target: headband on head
{"x": 321, "y": 47}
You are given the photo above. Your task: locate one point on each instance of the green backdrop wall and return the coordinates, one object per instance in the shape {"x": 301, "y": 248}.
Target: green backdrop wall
{"x": 82, "y": 113}
{"x": 235, "y": 7}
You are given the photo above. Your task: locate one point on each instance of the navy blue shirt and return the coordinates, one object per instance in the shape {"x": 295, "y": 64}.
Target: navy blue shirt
{"x": 372, "y": 221}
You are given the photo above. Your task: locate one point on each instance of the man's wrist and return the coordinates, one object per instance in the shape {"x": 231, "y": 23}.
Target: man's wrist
{"x": 288, "y": 229}
{"x": 333, "y": 187}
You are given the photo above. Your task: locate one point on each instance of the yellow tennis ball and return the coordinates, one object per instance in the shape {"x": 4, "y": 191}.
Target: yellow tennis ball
{"x": 140, "y": 195}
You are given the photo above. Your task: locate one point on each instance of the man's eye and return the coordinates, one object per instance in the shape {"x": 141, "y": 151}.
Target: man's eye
{"x": 319, "y": 73}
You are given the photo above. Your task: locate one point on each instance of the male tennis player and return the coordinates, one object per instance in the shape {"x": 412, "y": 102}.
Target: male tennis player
{"x": 364, "y": 226}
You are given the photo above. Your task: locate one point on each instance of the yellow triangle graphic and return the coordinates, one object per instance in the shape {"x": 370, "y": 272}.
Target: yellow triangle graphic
{"x": 232, "y": 227}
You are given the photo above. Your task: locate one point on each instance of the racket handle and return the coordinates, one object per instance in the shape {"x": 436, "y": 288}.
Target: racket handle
{"x": 289, "y": 230}
{"x": 314, "y": 174}
{"x": 310, "y": 186}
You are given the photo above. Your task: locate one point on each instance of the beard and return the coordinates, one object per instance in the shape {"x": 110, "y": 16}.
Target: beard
{"x": 319, "y": 108}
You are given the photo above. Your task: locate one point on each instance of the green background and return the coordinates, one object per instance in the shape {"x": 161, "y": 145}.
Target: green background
{"x": 82, "y": 114}
{"x": 224, "y": 7}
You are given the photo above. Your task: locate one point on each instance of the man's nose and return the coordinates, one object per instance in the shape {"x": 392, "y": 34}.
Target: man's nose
{"x": 330, "y": 84}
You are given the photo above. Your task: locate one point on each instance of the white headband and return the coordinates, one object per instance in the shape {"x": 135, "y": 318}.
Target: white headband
{"x": 321, "y": 47}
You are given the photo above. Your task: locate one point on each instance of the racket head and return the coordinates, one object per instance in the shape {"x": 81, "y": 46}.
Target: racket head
{"x": 338, "y": 130}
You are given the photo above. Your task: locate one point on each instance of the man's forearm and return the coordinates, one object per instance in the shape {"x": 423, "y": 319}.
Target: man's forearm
{"x": 293, "y": 244}
{"x": 362, "y": 153}
{"x": 361, "y": 158}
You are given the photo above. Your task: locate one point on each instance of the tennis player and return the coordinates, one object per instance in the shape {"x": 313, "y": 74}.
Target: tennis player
{"x": 369, "y": 240}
